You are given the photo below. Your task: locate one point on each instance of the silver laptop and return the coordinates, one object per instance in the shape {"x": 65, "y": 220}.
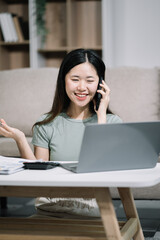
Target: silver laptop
{"x": 121, "y": 146}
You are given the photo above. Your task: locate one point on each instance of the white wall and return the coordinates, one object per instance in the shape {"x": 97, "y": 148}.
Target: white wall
{"x": 131, "y": 32}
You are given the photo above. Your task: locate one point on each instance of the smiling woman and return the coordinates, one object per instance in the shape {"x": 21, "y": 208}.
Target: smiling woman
{"x": 58, "y": 132}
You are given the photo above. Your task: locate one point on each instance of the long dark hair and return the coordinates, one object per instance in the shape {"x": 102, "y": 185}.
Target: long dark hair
{"x": 61, "y": 100}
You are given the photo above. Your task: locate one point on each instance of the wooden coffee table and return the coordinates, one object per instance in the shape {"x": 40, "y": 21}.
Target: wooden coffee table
{"x": 58, "y": 182}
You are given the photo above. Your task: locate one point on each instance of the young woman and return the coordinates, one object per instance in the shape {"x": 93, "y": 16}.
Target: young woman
{"x": 57, "y": 135}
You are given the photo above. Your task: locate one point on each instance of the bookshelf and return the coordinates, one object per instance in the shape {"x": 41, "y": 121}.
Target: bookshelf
{"x": 14, "y": 54}
{"x": 77, "y": 24}
{"x": 71, "y": 24}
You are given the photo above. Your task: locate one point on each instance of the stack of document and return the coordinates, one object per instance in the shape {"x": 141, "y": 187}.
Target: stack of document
{"x": 10, "y": 165}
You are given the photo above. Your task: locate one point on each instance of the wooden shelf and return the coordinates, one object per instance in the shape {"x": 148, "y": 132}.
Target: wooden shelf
{"x": 96, "y": 48}
{"x": 16, "y": 1}
{"x": 47, "y": 50}
{"x": 66, "y": 49}
{"x": 26, "y": 42}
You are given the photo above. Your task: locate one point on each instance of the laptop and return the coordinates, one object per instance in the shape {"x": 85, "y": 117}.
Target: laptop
{"x": 120, "y": 146}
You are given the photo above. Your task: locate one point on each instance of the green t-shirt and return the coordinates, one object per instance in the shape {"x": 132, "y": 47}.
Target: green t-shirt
{"x": 63, "y": 135}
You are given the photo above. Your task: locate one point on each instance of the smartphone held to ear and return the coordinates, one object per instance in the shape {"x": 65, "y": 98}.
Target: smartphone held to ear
{"x": 98, "y": 95}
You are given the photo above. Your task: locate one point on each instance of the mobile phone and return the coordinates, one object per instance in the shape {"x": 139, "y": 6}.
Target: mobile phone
{"x": 98, "y": 95}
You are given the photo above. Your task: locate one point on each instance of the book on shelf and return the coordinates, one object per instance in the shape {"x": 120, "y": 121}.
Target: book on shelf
{"x": 4, "y": 27}
{"x": 18, "y": 28}
{"x": 13, "y": 28}
{"x": 13, "y": 33}
{"x": 24, "y": 27}
{"x": 8, "y": 28}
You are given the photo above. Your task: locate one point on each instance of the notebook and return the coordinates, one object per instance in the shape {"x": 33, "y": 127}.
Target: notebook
{"x": 120, "y": 146}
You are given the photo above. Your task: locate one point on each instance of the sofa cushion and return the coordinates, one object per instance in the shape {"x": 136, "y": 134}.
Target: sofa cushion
{"x": 134, "y": 93}
{"x": 9, "y": 148}
{"x": 25, "y": 94}
{"x": 141, "y": 193}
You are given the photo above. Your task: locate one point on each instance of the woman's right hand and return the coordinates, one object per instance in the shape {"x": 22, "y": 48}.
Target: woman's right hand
{"x": 10, "y": 132}
{"x": 19, "y": 137}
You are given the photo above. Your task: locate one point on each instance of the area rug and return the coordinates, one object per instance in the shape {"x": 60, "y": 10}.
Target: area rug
{"x": 155, "y": 237}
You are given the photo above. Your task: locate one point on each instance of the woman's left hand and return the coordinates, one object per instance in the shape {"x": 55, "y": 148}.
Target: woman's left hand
{"x": 105, "y": 92}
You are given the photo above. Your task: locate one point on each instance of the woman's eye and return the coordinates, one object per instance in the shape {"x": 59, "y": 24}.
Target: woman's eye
{"x": 74, "y": 79}
{"x": 90, "y": 80}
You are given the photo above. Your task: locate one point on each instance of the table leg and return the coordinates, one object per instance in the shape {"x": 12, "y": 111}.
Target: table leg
{"x": 130, "y": 209}
{"x": 108, "y": 214}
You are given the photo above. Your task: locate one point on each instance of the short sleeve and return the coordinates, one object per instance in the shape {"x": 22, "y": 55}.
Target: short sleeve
{"x": 111, "y": 118}
{"x": 40, "y": 136}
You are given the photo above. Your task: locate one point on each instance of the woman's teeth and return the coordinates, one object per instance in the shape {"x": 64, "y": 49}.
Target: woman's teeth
{"x": 81, "y": 95}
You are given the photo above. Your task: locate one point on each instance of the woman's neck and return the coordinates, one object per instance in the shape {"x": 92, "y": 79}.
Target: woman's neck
{"x": 78, "y": 113}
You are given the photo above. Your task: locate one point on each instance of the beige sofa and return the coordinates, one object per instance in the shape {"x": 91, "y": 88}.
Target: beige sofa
{"x": 25, "y": 94}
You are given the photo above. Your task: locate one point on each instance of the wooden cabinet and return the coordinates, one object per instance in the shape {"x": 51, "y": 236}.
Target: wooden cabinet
{"x": 71, "y": 24}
